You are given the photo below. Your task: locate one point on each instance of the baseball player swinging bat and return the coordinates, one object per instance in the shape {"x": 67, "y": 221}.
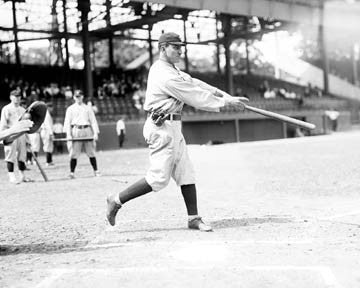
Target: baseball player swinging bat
{"x": 280, "y": 117}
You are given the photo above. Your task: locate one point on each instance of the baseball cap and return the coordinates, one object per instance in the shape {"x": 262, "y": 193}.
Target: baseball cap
{"x": 15, "y": 93}
{"x": 78, "y": 93}
{"x": 171, "y": 38}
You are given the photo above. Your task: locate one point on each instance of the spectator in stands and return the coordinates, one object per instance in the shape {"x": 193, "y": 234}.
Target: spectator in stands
{"x": 32, "y": 97}
{"x": 100, "y": 93}
{"x": 139, "y": 97}
{"x": 93, "y": 107}
{"x": 269, "y": 94}
{"x": 68, "y": 92}
{"x": 121, "y": 131}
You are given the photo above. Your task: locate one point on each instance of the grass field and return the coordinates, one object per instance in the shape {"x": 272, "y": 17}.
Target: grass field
{"x": 286, "y": 213}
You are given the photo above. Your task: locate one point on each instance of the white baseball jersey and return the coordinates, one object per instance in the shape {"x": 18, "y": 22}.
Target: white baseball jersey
{"x": 80, "y": 115}
{"x": 80, "y": 122}
{"x": 167, "y": 90}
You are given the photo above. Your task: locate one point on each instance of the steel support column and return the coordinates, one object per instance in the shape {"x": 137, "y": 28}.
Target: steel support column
{"x": 17, "y": 51}
{"x": 323, "y": 52}
{"x": 151, "y": 55}
{"x": 226, "y": 20}
{"x": 67, "y": 55}
{"x": 110, "y": 39}
{"x": 186, "y": 49}
{"x": 84, "y": 7}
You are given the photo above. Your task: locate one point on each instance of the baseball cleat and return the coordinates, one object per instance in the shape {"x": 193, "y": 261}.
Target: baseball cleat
{"x": 112, "y": 209}
{"x": 198, "y": 224}
{"x": 72, "y": 176}
{"x": 97, "y": 174}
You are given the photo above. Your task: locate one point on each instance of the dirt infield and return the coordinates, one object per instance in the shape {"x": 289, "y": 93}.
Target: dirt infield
{"x": 286, "y": 213}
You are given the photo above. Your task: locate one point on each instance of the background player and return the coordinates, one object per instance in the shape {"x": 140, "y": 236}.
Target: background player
{"x": 15, "y": 151}
{"x": 120, "y": 131}
{"x": 47, "y": 136}
{"x": 80, "y": 122}
{"x": 167, "y": 90}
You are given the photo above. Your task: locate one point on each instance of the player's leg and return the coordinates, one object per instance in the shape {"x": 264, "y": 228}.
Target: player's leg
{"x": 184, "y": 175}
{"x": 121, "y": 138}
{"x": 10, "y": 159}
{"x": 160, "y": 144}
{"x": 90, "y": 152}
{"x": 190, "y": 199}
{"x": 90, "y": 148}
{"x": 21, "y": 158}
{"x": 48, "y": 146}
{"x": 74, "y": 148}
{"x": 115, "y": 201}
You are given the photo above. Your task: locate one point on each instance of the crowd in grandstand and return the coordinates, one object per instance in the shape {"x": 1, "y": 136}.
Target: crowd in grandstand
{"x": 127, "y": 90}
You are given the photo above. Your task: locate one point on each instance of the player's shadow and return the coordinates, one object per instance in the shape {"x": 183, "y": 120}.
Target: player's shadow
{"x": 40, "y": 248}
{"x": 66, "y": 247}
{"x": 235, "y": 222}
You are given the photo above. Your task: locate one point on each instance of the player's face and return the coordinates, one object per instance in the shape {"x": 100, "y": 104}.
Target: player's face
{"x": 79, "y": 99}
{"x": 15, "y": 99}
{"x": 173, "y": 53}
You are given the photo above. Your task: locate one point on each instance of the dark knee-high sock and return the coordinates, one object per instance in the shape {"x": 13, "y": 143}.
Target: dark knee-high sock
{"x": 36, "y": 154}
{"x": 189, "y": 194}
{"x": 10, "y": 166}
{"x": 48, "y": 157}
{"x": 93, "y": 163}
{"x": 21, "y": 165}
{"x": 28, "y": 156}
{"x": 72, "y": 165}
{"x": 139, "y": 188}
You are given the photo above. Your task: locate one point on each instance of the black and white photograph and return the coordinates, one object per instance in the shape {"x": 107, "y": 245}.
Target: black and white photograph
{"x": 179, "y": 144}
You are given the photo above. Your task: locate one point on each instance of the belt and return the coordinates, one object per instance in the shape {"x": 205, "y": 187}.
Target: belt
{"x": 171, "y": 117}
{"x": 80, "y": 126}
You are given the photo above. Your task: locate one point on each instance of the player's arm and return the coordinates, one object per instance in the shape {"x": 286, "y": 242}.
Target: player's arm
{"x": 18, "y": 128}
{"x": 216, "y": 91}
{"x": 67, "y": 123}
{"x": 204, "y": 85}
{"x": 94, "y": 124}
{"x": 197, "y": 97}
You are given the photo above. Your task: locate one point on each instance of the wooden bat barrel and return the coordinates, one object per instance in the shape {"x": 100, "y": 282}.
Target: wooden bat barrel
{"x": 280, "y": 117}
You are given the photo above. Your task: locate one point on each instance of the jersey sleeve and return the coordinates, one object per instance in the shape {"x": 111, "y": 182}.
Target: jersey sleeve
{"x": 94, "y": 124}
{"x": 67, "y": 122}
{"x": 191, "y": 93}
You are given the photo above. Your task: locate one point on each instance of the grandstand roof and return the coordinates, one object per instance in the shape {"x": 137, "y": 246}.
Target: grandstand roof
{"x": 37, "y": 15}
{"x": 330, "y": 13}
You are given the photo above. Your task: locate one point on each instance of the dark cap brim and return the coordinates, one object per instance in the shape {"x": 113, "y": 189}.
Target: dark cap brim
{"x": 177, "y": 43}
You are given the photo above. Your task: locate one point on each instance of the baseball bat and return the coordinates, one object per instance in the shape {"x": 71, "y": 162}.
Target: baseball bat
{"x": 73, "y": 139}
{"x": 280, "y": 117}
{"x": 39, "y": 166}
